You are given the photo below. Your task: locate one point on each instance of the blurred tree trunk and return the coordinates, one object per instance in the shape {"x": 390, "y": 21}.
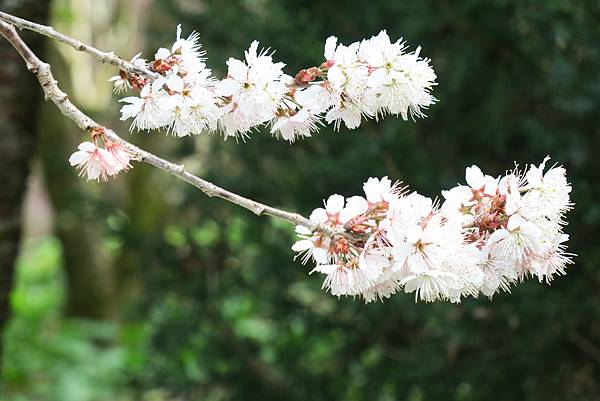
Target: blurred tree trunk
{"x": 87, "y": 268}
{"x": 19, "y": 97}
{"x": 147, "y": 217}
{"x": 91, "y": 280}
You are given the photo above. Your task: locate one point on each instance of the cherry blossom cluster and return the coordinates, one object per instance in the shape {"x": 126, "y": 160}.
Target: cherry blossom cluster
{"x": 101, "y": 158}
{"x": 369, "y": 79}
{"x": 484, "y": 237}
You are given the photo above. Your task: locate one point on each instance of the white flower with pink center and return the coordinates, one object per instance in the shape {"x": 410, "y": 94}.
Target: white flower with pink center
{"x": 120, "y": 154}
{"x": 94, "y": 162}
{"x": 295, "y": 124}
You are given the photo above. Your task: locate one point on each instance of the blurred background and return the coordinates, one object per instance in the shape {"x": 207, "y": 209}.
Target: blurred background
{"x": 145, "y": 289}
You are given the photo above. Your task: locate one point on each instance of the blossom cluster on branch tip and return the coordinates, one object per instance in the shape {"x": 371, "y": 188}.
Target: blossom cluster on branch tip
{"x": 370, "y": 79}
{"x": 99, "y": 162}
{"x": 484, "y": 237}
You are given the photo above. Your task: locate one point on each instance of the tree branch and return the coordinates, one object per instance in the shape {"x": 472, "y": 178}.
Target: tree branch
{"x": 103, "y": 57}
{"x": 54, "y": 94}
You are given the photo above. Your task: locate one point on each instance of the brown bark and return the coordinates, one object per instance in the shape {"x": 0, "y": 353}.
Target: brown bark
{"x": 19, "y": 100}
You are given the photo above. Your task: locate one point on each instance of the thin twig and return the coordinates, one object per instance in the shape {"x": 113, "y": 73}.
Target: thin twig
{"x": 102, "y": 56}
{"x": 54, "y": 94}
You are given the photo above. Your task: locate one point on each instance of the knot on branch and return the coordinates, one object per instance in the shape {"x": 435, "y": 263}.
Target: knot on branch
{"x": 42, "y": 71}
{"x": 33, "y": 68}
{"x": 258, "y": 209}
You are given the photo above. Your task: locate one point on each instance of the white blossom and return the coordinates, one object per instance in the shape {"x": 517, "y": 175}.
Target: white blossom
{"x": 432, "y": 285}
{"x": 400, "y": 82}
{"x": 145, "y": 110}
{"x": 362, "y": 80}
{"x": 94, "y": 162}
{"x": 549, "y": 192}
{"x": 256, "y": 88}
{"x": 311, "y": 246}
{"x": 296, "y": 124}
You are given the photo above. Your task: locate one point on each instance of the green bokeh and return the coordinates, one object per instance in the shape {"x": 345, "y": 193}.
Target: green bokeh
{"x": 225, "y": 313}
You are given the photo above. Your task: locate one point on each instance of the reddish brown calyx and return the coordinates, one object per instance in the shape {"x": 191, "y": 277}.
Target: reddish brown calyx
{"x": 303, "y": 77}
{"x": 358, "y": 224}
{"x": 327, "y": 64}
{"x": 137, "y": 82}
{"x": 97, "y": 133}
{"x": 491, "y": 216}
{"x": 478, "y": 194}
{"x": 161, "y": 66}
{"x": 341, "y": 245}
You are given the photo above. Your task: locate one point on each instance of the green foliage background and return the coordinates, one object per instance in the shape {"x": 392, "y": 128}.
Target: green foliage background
{"x": 223, "y": 313}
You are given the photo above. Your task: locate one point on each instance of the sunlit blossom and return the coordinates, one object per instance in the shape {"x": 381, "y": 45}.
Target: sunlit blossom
{"x": 485, "y": 237}
{"x": 366, "y": 79}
